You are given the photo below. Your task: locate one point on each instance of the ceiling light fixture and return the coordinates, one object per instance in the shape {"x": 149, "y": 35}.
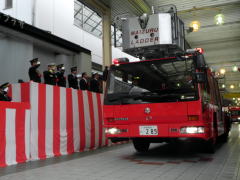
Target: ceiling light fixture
{"x": 195, "y": 25}
{"x": 223, "y": 86}
{"x": 219, "y": 19}
{"x": 232, "y": 86}
{"x": 235, "y": 68}
{"x": 222, "y": 71}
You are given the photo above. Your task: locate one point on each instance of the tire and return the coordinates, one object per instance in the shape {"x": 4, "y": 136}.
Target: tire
{"x": 224, "y": 138}
{"x": 211, "y": 143}
{"x": 141, "y": 145}
{"x": 210, "y": 146}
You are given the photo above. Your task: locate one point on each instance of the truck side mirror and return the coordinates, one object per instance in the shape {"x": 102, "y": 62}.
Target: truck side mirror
{"x": 200, "y": 77}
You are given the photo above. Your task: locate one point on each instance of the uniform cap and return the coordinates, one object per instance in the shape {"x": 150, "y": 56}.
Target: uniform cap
{"x": 51, "y": 64}
{"x": 3, "y": 86}
{"x": 61, "y": 66}
{"x": 33, "y": 60}
{"x": 74, "y": 68}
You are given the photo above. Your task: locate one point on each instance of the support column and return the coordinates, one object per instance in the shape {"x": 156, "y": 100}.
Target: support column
{"x": 83, "y": 62}
{"x": 107, "y": 39}
{"x": 106, "y": 24}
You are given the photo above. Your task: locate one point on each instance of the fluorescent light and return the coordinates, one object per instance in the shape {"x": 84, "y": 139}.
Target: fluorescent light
{"x": 222, "y": 71}
{"x": 219, "y": 19}
{"x": 235, "y": 68}
{"x": 195, "y": 25}
{"x": 232, "y": 86}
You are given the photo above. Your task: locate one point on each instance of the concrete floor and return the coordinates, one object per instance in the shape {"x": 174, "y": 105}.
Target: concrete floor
{"x": 162, "y": 162}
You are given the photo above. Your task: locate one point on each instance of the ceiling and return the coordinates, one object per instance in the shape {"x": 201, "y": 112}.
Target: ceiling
{"x": 220, "y": 42}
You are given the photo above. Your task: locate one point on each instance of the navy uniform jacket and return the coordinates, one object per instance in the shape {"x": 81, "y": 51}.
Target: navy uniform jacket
{"x": 83, "y": 85}
{"x": 61, "y": 79}
{"x": 95, "y": 86}
{"x": 72, "y": 81}
{"x": 4, "y": 96}
{"x": 34, "y": 75}
{"x": 50, "y": 78}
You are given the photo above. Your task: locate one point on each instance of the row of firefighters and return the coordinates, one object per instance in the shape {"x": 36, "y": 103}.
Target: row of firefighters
{"x": 55, "y": 76}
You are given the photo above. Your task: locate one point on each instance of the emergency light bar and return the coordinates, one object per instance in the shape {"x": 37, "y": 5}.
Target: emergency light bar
{"x": 120, "y": 60}
{"x": 191, "y": 51}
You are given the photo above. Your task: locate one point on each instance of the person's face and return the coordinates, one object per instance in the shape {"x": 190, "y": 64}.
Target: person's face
{"x": 34, "y": 63}
{"x": 74, "y": 72}
{"x": 97, "y": 76}
{"x": 52, "y": 68}
{"x": 85, "y": 76}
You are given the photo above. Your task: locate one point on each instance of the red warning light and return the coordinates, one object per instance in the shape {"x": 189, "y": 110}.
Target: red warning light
{"x": 200, "y": 50}
{"x": 115, "y": 61}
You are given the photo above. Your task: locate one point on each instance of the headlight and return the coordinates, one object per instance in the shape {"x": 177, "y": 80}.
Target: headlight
{"x": 192, "y": 130}
{"x": 112, "y": 131}
{"x": 238, "y": 118}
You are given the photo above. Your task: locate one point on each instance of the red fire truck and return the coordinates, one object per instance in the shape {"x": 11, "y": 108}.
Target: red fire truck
{"x": 169, "y": 95}
{"x": 162, "y": 100}
{"x": 234, "y": 114}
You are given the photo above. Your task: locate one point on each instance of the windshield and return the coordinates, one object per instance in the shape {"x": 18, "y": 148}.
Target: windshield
{"x": 151, "y": 82}
{"x": 235, "y": 113}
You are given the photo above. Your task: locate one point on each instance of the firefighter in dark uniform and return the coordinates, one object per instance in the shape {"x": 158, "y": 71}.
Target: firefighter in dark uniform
{"x": 84, "y": 82}
{"x": 73, "y": 79}
{"x": 61, "y": 79}
{"x": 33, "y": 72}
{"x": 94, "y": 83}
{"x": 50, "y": 76}
{"x": 3, "y": 92}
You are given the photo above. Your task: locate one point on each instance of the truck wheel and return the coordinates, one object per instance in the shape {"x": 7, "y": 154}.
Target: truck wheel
{"x": 224, "y": 138}
{"x": 210, "y": 146}
{"x": 141, "y": 145}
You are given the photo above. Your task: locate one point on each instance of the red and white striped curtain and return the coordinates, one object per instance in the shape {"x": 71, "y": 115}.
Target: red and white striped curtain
{"x": 14, "y": 133}
{"x": 63, "y": 120}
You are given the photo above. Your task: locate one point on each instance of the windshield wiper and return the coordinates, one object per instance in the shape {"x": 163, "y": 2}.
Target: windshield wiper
{"x": 176, "y": 91}
{"x": 116, "y": 97}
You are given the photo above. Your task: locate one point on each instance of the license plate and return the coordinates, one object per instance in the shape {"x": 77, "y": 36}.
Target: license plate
{"x": 148, "y": 130}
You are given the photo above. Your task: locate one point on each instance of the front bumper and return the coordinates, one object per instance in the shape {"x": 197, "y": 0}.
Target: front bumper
{"x": 235, "y": 119}
{"x": 164, "y": 131}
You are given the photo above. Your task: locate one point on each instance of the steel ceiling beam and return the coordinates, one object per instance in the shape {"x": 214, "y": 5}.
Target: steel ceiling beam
{"x": 140, "y": 5}
{"x": 80, "y": 9}
{"x": 212, "y": 7}
{"x": 89, "y": 17}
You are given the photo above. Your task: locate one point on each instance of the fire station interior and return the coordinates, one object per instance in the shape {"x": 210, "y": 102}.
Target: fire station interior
{"x": 167, "y": 107}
